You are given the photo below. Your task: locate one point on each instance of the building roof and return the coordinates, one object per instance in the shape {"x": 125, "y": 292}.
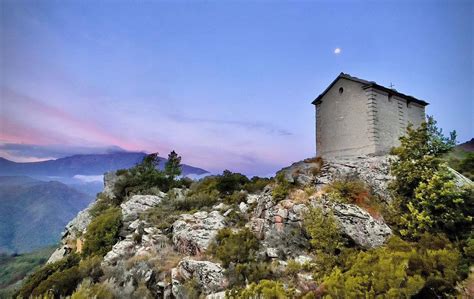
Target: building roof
{"x": 370, "y": 84}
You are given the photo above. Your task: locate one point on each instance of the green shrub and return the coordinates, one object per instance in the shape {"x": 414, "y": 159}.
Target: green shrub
{"x": 282, "y": 188}
{"x": 324, "y": 231}
{"x": 34, "y": 280}
{"x": 267, "y": 289}
{"x": 256, "y": 184}
{"x": 242, "y": 273}
{"x": 397, "y": 270}
{"x": 235, "y": 247}
{"x": 88, "y": 290}
{"x": 102, "y": 233}
{"x": 196, "y": 201}
{"x": 439, "y": 206}
{"x": 236, "y": 197}
{"x": 229, "y": 182}
{"x": 348, "y": 190}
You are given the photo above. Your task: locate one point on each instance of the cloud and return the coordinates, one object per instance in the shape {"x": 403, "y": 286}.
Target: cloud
{"x": 337, "y": 51}
{"x": 23, "y": 152}
{"x": 89, "y": 178}
{"x": 255, "y": 125}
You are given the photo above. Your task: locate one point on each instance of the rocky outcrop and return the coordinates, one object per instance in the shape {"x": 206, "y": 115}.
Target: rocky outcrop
{"x": 269, "y": 216}
{"x": 357, "y": 224}
{"x": 303, "y": 172}
{"x": 192, "y": 234}
{"x": 208, "y": 275}
{"x": 375, "y": 171}
{"x": 278, "y": 225}
{"x": 138, "y": 204}
{"x": 144, "y": 239}
{"x": 110, "y": 180}
{"x": 73, "y": 229}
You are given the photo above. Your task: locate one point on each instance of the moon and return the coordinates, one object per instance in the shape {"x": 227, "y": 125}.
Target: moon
{"x": 337, "y": 51}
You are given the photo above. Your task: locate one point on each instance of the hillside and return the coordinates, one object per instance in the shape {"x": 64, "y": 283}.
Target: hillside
{"x": 33, "y": 213}
{"x": 319, "y": 228}
{"x": 93, "y": 164}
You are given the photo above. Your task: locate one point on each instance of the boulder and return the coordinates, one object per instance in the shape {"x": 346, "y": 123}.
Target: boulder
{"x": 138, "y": 204}
{"x": 303, "y": 172}
{"x": 110, "y": 180}
{"x": 192, "y": 234}
{"x": 357, "y": 224}
{"x": 150, "y": 241}
{"x": 208, "y": 275}
{"x": 374, "y": 171}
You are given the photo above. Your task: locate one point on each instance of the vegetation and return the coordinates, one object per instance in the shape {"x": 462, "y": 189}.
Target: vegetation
{"x": 398, "y": 270}
{"x": 235, "y": 247}
{"x": 427, "y": 195}
{"x": 430, "y": 254}
{"x": 237, "y": 252}
{"x": 282, "y": 188}
{"x": 263, "y": 289}
{"x": 352, "y": 190}
{"x": 102, "y": 233}
{"x": 13, "y": 268}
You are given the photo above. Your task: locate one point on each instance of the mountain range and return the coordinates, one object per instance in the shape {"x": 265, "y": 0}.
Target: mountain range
{"x": 30, "y": 191}
{"x": 26, "y": 218}
{"x": 91, "y": 164}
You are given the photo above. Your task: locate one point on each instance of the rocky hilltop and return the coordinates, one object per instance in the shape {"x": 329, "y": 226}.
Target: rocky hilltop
{"x": 173, "y": 260}
{"x": 368, "y": 227}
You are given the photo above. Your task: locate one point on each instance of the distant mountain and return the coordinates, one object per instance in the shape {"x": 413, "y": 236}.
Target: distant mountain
{"x": 93, "y": 164}
{"x": 33, "y": 213}
{"x": 467, "y": 146}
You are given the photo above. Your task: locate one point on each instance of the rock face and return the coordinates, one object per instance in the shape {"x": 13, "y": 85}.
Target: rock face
{"x": 303, "y": 172}
{"x": 209, "y": 276}
{"x": 73, "y": 229}
{"x": 138, "y": 204}
{"x": 357, "y": 224}
{"x": 375, "y": 171}
{"x": 153, "y": 259}
{"x": 192, "y": 234}
{"x": 278, "y": 225}
{"x": 151, "y": 240}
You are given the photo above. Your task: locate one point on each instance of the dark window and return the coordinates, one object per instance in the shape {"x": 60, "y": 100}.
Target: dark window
{"x": 341, "y": 90}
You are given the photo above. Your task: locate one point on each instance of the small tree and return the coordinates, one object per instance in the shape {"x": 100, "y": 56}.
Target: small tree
{"x": 173, "y": 166}
{"x": 426, "y": 192}
{"x": 419, "y": 156}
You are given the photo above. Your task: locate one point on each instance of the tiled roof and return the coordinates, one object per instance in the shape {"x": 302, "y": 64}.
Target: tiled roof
{"x": 370, "y": 84}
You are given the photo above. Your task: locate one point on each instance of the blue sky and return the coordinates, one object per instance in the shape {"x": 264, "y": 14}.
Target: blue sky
{"x": 226, "y": 84}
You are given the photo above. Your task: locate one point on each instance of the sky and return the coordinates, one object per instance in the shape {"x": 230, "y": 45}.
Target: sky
{"x": 227, "y": 84}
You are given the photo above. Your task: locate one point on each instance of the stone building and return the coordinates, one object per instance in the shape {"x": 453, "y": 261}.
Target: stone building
{"x": 355, "y": 117}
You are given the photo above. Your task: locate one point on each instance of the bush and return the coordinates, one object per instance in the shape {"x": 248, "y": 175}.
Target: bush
{"x": 439, "y": 206}
{"x": 398, "y": 270}
{"x": 262, "y": 289}
{"x": 282, "y": 188}
{"x": 241, "y": 274}
{"x": 33, "y": 281}
{"x": 236, "y": 197}
{"x": 348, "y": 190}
{"x": 324, "y": 231}
{"x": 229, "y": 182}
{"x": 88, "y": 290}
{"x": 256, "y": 184}
{"x": 102, "y": 233}
{"x": 239, "y": 247}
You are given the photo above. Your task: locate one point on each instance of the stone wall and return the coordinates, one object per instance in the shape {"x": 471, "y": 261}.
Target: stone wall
{"x": 341, "y": 122}
{"x": 360, "y": 122}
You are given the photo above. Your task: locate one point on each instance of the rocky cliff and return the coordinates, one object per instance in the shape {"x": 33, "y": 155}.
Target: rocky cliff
{"x": 174, "y": 260}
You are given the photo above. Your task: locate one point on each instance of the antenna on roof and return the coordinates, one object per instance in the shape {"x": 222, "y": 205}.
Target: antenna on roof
{"x": 392, "y": 86}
